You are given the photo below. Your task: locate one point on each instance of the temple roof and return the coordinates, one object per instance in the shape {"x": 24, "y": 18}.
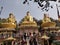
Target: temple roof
{"x": 48, "y": 24}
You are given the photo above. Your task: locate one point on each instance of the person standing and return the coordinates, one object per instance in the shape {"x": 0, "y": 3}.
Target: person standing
{"x": 31, "y": 41}
{"x": 34, "y": 41}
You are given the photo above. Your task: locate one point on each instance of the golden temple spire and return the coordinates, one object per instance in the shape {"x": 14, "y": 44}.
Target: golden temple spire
{"x": 46, "y": 18}
{"x": 11, "y": 18}
{"x": 10, "y": 22}
{"x": 28, "y": 17}
{"x": 46, "y": 22}
{"x": 28, "y": 20}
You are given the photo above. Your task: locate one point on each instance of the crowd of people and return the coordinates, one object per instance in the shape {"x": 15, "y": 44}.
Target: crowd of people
{"x": 34, "y": 39}
{"x": 25, "y": 39}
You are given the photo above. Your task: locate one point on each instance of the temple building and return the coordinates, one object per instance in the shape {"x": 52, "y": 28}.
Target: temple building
{"x": 28, "y": 25}
{"x": 7, "y": 30}
{"x": 48, "y": 24}
{"x": 12, "y": 33}
{"x": 49, "y": 29}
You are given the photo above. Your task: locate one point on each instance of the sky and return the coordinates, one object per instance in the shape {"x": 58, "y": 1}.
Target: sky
{"x": 19, "y": 9}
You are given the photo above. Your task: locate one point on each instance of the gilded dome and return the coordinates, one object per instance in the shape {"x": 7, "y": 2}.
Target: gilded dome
{"x": 28, "y": 20}
{"x": 9, "y": 22}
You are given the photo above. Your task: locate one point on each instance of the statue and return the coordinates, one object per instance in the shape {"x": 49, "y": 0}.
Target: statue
{"x": 46, "y": 19}
{"x": 11, "y": 18}
{"x": 10, "y": 22}
{"x": 28, "y": 17}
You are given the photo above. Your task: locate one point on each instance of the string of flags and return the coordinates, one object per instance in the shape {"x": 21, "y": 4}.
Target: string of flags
{"x": 41, "y": 5}
{"x": 39, "y": 1}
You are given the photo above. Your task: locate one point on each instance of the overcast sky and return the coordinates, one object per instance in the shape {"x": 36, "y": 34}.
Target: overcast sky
{"x": 19, "y": 9}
